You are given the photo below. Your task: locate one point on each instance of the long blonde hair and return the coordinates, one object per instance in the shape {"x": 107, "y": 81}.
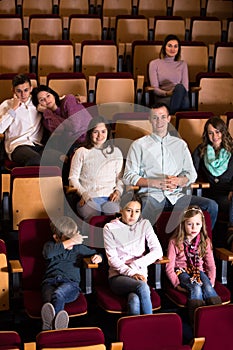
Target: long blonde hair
{"x": 179, "y": 234}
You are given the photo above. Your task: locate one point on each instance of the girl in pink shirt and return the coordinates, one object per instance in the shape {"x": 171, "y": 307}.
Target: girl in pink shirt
{"x": 191, "y": 266}
{"x": 125, "y": 241}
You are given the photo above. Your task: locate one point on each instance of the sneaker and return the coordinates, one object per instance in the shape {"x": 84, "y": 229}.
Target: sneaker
{"x": 47, "y": 314}
{"x": 61, "y": 320}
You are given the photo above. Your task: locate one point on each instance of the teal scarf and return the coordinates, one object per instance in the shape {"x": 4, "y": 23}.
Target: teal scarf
{"x": 216, "y": 166}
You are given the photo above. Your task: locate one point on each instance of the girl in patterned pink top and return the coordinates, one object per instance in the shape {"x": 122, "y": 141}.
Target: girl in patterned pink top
{"x": 191, "y": 266}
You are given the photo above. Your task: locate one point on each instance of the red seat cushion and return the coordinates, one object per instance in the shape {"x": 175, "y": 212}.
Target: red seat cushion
{"x": 111, "y": 302}
{"x": 70, "y": 337}
{"x": 33, "y": 304}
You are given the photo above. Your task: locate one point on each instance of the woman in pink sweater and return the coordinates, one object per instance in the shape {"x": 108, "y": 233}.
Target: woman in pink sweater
{"x": 168, "y": 76}
{"x": 191, "y": 266}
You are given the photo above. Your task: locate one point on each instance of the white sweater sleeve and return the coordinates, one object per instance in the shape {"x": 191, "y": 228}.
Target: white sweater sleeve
{"x": 7, "y": 115}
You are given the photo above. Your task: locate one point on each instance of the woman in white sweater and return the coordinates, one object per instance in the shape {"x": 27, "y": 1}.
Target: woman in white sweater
{"x": 169, "y": 76}
{"x": 96, "y": 171}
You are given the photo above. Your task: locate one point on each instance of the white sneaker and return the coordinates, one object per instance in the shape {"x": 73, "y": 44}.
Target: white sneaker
{"x": 47, "y": 314}
{"x": 61, "y": 320}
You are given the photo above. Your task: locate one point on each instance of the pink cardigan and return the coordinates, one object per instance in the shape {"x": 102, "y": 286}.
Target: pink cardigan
{"x": 178, "y": 259}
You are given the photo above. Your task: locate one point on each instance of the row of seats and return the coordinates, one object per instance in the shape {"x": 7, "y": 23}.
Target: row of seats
{"x": 139, "y": 332}
{"x": 105, "y": 55}
{"x": 124, "y": 28}
{"x": 112, "y": 8}
{"x": 33, "y": 225}
{"x": 115, "y": 92}
{"x": 32, "y": 235}
{"x": 28, "y": 7}
{"x": 126, "y": 127}
{"x": 93, "y": 56}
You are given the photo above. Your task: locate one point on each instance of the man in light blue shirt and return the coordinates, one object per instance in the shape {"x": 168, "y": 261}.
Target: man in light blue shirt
{"x": 161, "y": 165}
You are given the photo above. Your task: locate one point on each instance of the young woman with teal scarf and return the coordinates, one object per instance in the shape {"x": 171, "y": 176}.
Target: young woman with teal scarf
{"x": 213, "y": 160}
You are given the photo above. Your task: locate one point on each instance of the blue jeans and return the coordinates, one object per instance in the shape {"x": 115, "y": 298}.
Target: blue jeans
{"x": 96, "y": 206}
{"x": 59, "y": 291}
{"x": 139, "y": 300}
{"x": 196, "y": 291}
{"x": 151, "y": 208}
{"x": 179, "y": 101}
{"x": 224, "y": 204}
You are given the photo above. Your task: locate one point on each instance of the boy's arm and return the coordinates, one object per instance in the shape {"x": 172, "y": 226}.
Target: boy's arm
{"x": 91, "y": 254}
{"x": 76, "y": 239}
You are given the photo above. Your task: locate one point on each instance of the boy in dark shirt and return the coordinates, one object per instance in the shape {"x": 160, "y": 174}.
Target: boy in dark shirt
{"x": 60, "y": 284}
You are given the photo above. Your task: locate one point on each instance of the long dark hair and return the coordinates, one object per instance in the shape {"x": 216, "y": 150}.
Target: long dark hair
{"x": 168, "y": 38}
{"x": 217, "y": 123}
{"x": 91, "y": 126}
{"x": 45, "y": 88}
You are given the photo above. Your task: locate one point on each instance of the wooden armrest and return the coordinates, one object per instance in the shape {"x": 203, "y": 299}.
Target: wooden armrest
{"x": 121, "y": 49}
{"x": 112, "y": 22}
{"x": 65, "y": 22}
{"x": 116, "y": 346}
{"x": 197, "y": 343}
{"x": 78, "y": 50}
{"x": 1, "y": 137}
{"x": 149, "y": 88}
{"x": 88, "y": 264}
{"x": 70, "y": 189}
{"x": 224, "y": 254}
{"x": 26, "y": 22}
{"x": 151, "y": 22}
{"x": 164, "y": 260}
{"x": 128, "y": 49}
{"x": 43, "y": 79}
{"x": 131, "y": 188}
{"x": 91, "y": 82}
{"x": 203, "y": 184}
{"x": 30, "y": 346}
{"x": 140, "y": 82}
{"x": 199, "y": 184}
{"x": 106, "y": 22}
{"x": 195, "y": 185}
{"x": 33, "y": 49}
{"x": 6, "y": 179}
{"x": 195, "y": 89}
{"x": 85, "y": 347}
{"x": 16, "y": 266}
